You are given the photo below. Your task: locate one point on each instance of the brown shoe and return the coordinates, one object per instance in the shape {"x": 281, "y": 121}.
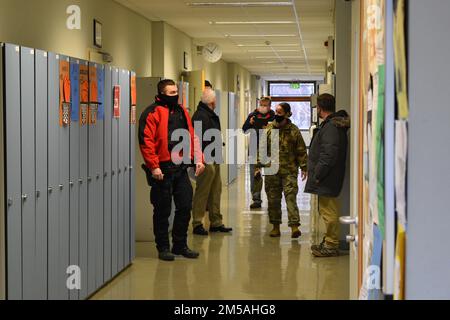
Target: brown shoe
{"x": 275, "y": 233}
{"x": 296, "y": 233}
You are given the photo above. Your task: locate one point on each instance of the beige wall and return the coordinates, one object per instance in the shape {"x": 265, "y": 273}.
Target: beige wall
{"x": 41, "y": 24}
{"x": 176, "y": 43}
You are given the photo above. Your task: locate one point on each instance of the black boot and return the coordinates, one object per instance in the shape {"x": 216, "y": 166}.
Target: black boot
{"x": 186, "y": 252}
{"x": 200, "y": 231}
{"x": 166, "y": 255}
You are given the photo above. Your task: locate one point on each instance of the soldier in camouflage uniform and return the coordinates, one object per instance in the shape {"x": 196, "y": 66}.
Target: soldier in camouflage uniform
{"x": 292, "y": 156}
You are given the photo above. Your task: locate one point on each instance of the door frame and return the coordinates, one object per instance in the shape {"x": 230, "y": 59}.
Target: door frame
{"x": 2, "y": 190}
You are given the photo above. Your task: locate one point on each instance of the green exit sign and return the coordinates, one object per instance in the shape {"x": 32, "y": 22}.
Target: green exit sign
{"x": 295, "y": 86}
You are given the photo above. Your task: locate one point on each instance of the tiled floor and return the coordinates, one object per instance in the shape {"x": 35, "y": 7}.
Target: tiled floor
{"x": 245, "y": 265}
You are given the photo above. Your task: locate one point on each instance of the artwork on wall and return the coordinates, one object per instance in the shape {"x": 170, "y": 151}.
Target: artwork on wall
{"x": 98, "y": 34}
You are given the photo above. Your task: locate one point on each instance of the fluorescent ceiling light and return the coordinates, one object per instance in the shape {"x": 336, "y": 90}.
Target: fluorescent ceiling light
{"x": 249, "y": 22}
{"x": 260, "y": 35}
{"x": 274, "y": 49}
{"x": 274, "y": 57}
{"x": 240, "y": 4}
{"x": 265, "y": 45}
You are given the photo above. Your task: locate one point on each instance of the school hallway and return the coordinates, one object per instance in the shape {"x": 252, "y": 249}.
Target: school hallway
{"x": 245, "y": 265}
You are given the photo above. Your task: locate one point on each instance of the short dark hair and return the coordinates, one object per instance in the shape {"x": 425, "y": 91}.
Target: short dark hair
{"x": 287, "y": 108}
{"x": 266, "y": 99}
{"x": 165, "y": 83}
{"x": 327, "y": 102}
{"x": 208, "y": 84}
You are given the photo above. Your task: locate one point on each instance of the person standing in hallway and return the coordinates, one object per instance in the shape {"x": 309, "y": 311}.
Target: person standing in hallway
{"x": 256, "y": 121}
{"x": 292, "y": 157}
{"x": 327, "y": 164}
{"x": 165, "y": 175}
{"x": 209, "y": 185}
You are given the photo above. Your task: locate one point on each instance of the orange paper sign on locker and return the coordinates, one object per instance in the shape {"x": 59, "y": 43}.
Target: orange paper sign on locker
{"x": 116, "y": 102}
{"x": 64, "y": 93}
{"x": 133, "y": 100}
{"x": 93, "y": 101}
{"x": 84, "y": 94}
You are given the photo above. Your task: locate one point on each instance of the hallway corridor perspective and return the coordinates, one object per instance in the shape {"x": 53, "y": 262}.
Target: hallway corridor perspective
{"x": 247, "y": 265}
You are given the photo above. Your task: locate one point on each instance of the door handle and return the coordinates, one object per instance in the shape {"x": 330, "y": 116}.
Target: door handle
{"x": 349, "y": 221}
{"x": 353, "y": 239}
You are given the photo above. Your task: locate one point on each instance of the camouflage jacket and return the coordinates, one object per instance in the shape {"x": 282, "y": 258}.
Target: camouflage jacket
{"x": 292, "y": 149}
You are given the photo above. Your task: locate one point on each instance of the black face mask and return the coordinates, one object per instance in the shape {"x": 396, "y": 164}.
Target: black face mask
{"x": 279, "y": 119}
{"x": 170, "y": 101}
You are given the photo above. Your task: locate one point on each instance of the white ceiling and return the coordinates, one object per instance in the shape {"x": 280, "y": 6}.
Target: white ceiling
{"x": 297, "y": 49}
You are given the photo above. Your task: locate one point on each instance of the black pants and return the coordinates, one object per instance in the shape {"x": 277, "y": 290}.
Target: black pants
{"x": 176, "y": 184}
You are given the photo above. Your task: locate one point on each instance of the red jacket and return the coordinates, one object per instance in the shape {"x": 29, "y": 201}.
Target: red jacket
{"x": 154, "y": 137}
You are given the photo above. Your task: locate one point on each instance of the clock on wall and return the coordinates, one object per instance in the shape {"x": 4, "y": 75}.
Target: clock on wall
{"x": 212, "y": 52}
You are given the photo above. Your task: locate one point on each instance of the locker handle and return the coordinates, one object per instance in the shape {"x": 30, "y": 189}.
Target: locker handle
{"x": 89, "y": 179}
{"x": 126, "y": 169}
{"x": 105, "y": 174}
{"x": 80, "y": 181}
{"x": 38, "y": 194}
{"x": 50, "y": 189}
{"x": 98, "y": 177}
{"x": 120, "y": 171}
{"x": 61, "y": 187}
{"x": 24, "y": 197}
{"x": 113, "y": 173}
{"x": 10, "y": 202}
{"x": 71, "y": 183}
{"x": 131, "y": 168}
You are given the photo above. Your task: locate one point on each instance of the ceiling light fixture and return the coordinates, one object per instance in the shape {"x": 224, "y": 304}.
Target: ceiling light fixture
{"x": 240, "y": 4}
{"x": 249, "y": 22}
{"x": 265, "y": 45}
{"x": 260, "y": 35}
{"x": 293, "y": 50}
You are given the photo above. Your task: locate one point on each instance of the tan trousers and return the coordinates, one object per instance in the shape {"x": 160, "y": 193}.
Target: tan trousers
{"x": 207, "y": 195}
{"x": 329, "y": 210}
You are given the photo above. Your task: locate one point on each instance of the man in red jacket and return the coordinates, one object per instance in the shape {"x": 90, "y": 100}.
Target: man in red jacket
{"x": 166, "y": 168}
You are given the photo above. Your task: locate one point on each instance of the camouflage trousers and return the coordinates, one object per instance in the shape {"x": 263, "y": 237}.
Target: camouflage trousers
{"x": 276, "y": 186}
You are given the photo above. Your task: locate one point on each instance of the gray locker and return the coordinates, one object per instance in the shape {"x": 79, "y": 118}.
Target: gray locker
{"x": 28, "y": 172}
{"x": 13, "y": 172}
{"x": 54, "y": 272}
{"x": 99, "y": 133}
{"x": 114, "y": 185}
{"x": 74, "y": 186}
{"x": 121, "y": 186}
{"x": 83, "y": 207}
{"x": 41, "y": 125}
{"x": 133, "y": 134}
{"x": 125, "y": 156}
{"x": 64, "y": 203}
{"x": 107, "y": 201}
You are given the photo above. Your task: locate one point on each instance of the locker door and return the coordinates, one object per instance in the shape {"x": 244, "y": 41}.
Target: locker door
{"x": 125, "y": 153}
{"x": 99, "y": 175}
{"x": 114, "y": 185}
{"x": 121, "y": 178}
{"x": 74, "y": 169}
{"x": 13, "y": 174}
{"x": 133, "y": 134}
{"x": 41, "y": 174}
{"x": 28, "y": 173}
{"x": 82, "y": 182}
{"x": 64, "y": 200}
{"x": 107, "y": 175}
{"x": 53, "y": 178}
{"x": 92, "y": 198}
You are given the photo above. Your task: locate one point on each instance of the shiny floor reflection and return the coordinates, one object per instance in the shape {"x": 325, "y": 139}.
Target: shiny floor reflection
{"x": 247, "y": 265}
